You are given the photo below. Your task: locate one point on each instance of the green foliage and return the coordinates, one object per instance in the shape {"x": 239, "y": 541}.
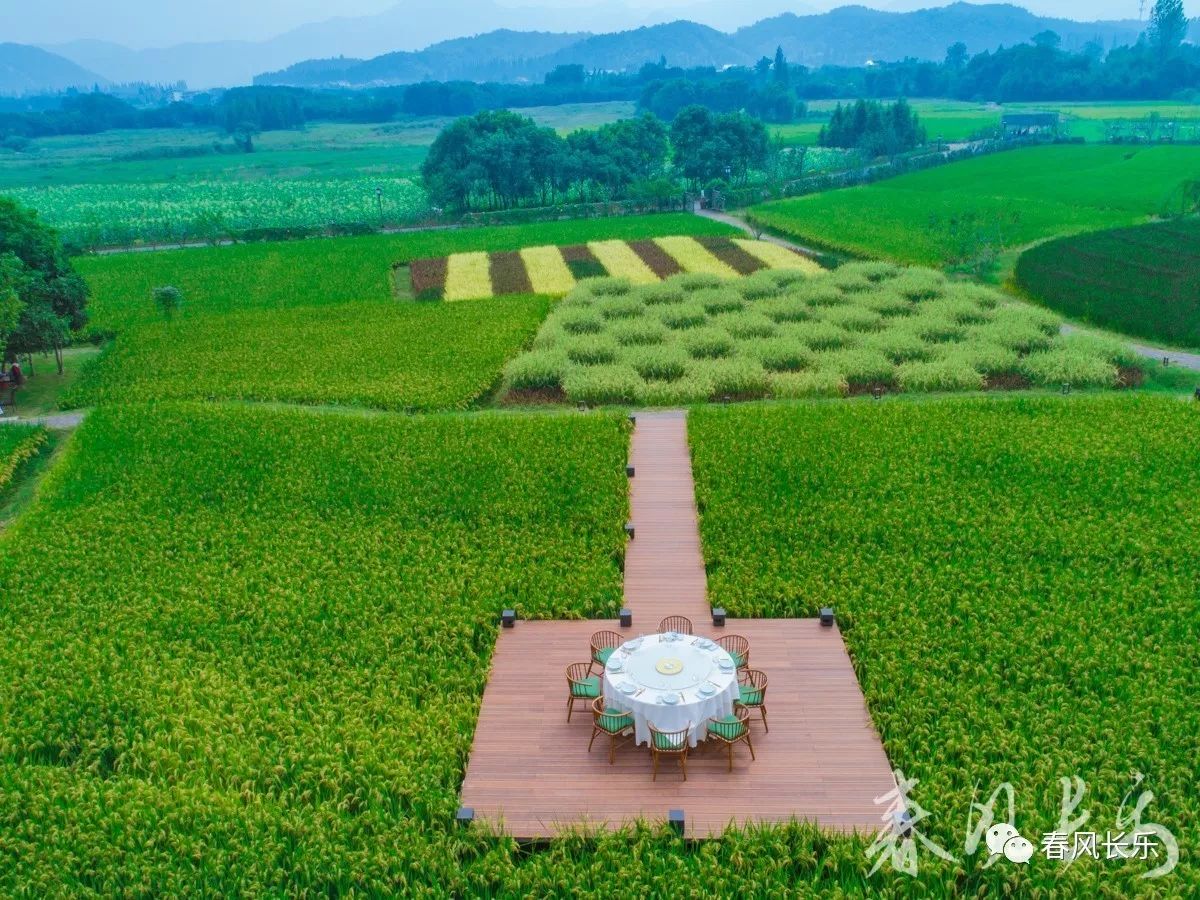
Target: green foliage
{"x": 876, "y": 129}
{"x": 1015, "y": 581}
{"x": 1138, "y": 281}
{"x": 723, "y": 146}
{"x": 1037, "y": 193}
{"x": 386, "y": 355}
{"x": 861, "y": 326}
{"x": 289, "y": 674}
{"x": 18, "y": 443}
{"x": 168, "y": 299}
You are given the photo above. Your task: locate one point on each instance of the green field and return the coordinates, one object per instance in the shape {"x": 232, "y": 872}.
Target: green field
{"x": 18, "y": 443}
{"x": 780, "y": 334}
{"x": 317, "y": 321}
{"x": 322, "y": 272}
{"x": 1143, "y": 281}
{"x": 1016, "y": 584}
{"x": 169, "y": 184}
{"x": 284, "y": 679}
{"x": 1004, "y": 200}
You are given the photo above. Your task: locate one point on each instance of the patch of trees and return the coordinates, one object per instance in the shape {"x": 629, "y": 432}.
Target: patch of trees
{"x": 876, "y": 128}
{"x": 42, "y": 299}
{"x": 498, "y": 159}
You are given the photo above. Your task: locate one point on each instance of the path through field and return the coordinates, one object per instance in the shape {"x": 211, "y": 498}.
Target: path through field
{"x": 1158, "y": 354}
{"x": 739, "y": 222}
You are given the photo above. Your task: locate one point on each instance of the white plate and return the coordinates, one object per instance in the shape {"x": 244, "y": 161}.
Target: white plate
{"x": 707, "y": 690}
{"x": 725, "y": 666}
{"x": 627, "y": 688}
{"x": 615, "y": 665}
{"x": 670, "y": 699}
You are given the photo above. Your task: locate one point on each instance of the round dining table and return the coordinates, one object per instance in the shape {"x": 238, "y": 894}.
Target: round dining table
{"x": 671, "y": 681}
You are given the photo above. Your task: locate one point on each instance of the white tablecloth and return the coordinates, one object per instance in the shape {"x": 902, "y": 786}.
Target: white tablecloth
{"x": 704, "y": 685}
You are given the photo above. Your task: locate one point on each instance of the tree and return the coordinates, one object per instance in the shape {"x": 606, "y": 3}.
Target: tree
{"x": 566, "y": 74}
{"x": 782, "y": 76}
{"x": 956, "y": 57}
{"x": 168, "y": 299}
{"x": 1047, "y": 40}
{"x": 51, "y": 296}
{"x": 725, "y": 146}
{"x": 1168, "y": 26}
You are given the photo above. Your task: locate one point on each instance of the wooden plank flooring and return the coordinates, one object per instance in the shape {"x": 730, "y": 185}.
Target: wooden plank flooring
{"x": 530, "y": 771}
{"x": 664, "y": 567}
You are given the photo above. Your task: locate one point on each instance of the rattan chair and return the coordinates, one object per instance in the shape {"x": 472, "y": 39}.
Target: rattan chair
{"x": 737, "y": 647}
{"x": 604, "y": 644}
{"x": 669, "y": 743}
{"x": 613, "y": 722}
{"x": 680, "y": 624}
{"x": 581, "y": 685}
{"x": 752, "y": 686}
{"x": 729, "y": 730}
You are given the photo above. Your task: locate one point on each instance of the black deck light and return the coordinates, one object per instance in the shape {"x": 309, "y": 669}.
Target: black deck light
{"x": 1166, "y": 361}
{"x": 877, "y": 392}
{"x": 827, "y": 616}
{"x": 1066, "y": 388}
{"x": 582, "y": 406}
{"x": 508, "y": 618}
{"x": 629, "y": 471}
{"x": 633, "y": 417}
{"x": 676, "y": 820}
{"x": 626, "y": 617}
{"x": 629, "y": 530}
{"x": 1197, "y": 394}
{"x": 718, "y": 616}
{"x": 902, "y": 823}
{"x": 726, "y": 399}
{"x": 465, "y": 815}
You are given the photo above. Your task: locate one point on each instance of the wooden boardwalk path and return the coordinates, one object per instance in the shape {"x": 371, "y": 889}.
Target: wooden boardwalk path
{"x": 530, "y": 771}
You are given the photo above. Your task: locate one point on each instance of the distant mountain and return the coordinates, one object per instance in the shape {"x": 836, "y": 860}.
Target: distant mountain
{"x": 849, "y": 35}
{"x": 31, "y": 70}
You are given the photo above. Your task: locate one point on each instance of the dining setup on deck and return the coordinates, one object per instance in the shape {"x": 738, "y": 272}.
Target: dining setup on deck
{"x": 673, "y": 692}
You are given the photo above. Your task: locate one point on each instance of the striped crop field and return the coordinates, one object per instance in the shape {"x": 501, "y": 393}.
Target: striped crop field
{"x": 556, "y": 270}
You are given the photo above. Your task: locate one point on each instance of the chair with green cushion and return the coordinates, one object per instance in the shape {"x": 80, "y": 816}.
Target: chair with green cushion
{"x": 729, "y": 730}
{"x": 752, "y": 685}
{"x": 604, "y": 644}
{"x": 669, "y": 743}
{"x": 581, "y": 685}
{"x": 737, "y": 647}
{"x": 611, "y": 721}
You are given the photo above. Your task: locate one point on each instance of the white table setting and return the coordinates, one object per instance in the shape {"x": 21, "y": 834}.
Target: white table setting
{"x": 673, "y": 681}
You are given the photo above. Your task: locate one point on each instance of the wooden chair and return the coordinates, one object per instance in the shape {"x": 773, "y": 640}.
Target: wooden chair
{"x": 680, "y": 624}
{"x": 737, "y": 647}
{"x": 752, "y": 685}
{"x": 613, "y": 722}
{"x": 669, "y": 743}
{"x": 604, "y": 644}
{"x": 581, "y": 685}
{"x": 729, "y": 730}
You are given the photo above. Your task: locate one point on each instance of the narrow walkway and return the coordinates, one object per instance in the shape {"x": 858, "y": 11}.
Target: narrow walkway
{"x": 739, "y": 222}
{"x": 1157, "y": 354}
{"x": 664, "y": 567}
{"x": 64, "y": 420}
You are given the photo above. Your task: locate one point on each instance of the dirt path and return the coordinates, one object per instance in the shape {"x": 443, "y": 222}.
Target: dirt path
{"x": 227, "y": 242}
{"x": 1158, "y": 354}
{"x": 58, "y": 421}
{"x": 739, "y": 222}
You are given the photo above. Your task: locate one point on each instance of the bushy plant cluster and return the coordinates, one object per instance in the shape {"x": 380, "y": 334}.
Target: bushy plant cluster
{"x": 696, "y": 337}
{"x": 243, "y": 650}
{"x": 1016, "y": 583}
{"x": 18, "y": 443}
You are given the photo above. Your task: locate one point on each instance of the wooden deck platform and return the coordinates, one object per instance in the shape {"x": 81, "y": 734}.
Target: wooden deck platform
{"x": 530, "y": 772}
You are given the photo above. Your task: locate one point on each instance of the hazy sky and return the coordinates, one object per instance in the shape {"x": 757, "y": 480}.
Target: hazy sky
{"x": 142, "y": 23}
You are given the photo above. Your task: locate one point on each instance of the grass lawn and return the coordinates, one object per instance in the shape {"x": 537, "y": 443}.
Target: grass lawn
{"x": 1015, "y": 581}
{"x": 44, "y": 389}
{"x": 1009, "y": 199}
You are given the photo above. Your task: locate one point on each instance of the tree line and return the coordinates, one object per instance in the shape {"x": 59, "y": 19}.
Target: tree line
{"x": 875, "y": 128}
{"x": 498, "y": 159}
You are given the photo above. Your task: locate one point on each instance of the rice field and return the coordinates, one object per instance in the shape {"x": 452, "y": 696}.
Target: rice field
{"x": 555, "y": 271}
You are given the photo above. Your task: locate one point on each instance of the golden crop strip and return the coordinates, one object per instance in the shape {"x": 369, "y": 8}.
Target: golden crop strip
{"x": 622, "y": 261}
{"x": 692, "y": 257}
{"x": 775, "y": 257}
{"x": 547, "y": 270}
{"x": 468, "y": 276}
